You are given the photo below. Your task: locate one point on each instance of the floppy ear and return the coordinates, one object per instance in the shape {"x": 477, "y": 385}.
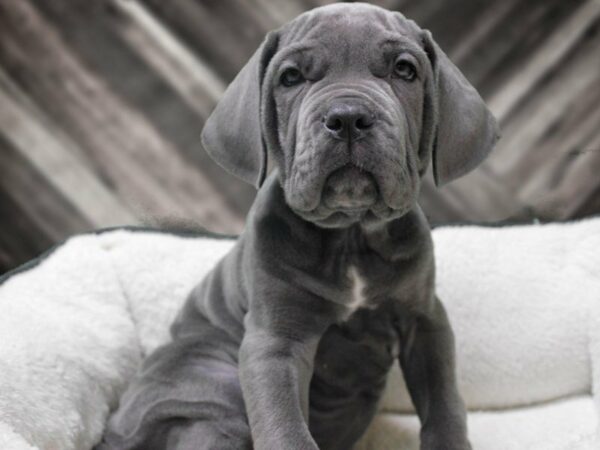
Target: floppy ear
{"x": 462, "y": 129}
{"x": 232, "y": 134}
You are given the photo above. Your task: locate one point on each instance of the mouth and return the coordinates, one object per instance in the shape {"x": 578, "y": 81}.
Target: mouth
{"x": 346, "y": 192}
{"x": 349, "y": 195}
{"x": 339, "y": 219}
{"x": 352, "y": 211}
{"x": 350, "y": 190}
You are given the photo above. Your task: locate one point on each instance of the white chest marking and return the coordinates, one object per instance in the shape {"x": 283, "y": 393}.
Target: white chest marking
{"x": 358, "y": 298}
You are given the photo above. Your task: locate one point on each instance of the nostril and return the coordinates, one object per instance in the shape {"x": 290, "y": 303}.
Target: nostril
{"x": 363, "y": 123}
{"x": 334, "y": 123}
{"x": 329, "y": 190}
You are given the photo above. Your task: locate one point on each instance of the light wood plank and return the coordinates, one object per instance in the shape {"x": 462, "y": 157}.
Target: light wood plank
{"x": 191, "y": 77}
{"x": 553, "y": 51}
{"x": 147, "y": 172}
{"x": 52, "y": 154}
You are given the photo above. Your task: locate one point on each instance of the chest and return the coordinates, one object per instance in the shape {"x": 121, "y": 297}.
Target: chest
{"x": 358, "y": 269}
{"x": 357, "y": 279}
{"x": 356, "y": 295}
{"x": 366, "y": 282}
{"x": 355, "y": 285}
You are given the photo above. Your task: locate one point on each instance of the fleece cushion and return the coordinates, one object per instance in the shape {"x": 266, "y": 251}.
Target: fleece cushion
{"x": 524, "y": 302}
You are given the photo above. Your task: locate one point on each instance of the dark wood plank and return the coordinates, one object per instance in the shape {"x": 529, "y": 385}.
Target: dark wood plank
{"x": 33, "y": 214}
{"x": 20, "y": 239}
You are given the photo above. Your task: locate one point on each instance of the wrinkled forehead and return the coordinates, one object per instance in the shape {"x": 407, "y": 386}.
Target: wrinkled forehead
{"x": 350, "y": 31}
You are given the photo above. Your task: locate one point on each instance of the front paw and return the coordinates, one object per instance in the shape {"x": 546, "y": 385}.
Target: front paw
{"x": 445, "y": 441}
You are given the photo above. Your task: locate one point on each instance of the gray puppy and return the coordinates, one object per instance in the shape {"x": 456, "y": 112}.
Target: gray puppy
{"x": 287, "y": 343}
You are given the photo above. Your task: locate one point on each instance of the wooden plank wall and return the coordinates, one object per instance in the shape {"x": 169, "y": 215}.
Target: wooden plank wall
{"x": 102, "y": 103}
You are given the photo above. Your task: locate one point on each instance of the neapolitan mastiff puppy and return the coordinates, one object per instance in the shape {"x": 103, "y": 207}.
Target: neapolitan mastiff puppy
{"x": 287, "y": 343}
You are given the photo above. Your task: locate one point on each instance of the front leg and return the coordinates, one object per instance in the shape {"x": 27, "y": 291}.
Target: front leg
{"x": 427, "y": 361}
{"x": 275, "y": 367}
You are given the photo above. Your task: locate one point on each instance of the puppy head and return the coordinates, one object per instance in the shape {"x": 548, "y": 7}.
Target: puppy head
{"x": 352, "y": 102}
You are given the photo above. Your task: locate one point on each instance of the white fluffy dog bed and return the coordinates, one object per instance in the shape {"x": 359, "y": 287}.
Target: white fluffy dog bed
{"x": 524, "y": 302}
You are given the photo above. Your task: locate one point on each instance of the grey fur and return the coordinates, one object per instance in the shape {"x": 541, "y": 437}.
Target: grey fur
{"x": 269, "y": 351}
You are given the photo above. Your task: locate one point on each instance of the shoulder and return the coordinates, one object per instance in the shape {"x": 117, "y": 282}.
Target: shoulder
{"x": 405, "y": 238}
{"x": 272, "y": 226}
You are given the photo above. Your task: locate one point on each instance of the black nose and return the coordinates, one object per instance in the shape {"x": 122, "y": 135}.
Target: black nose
{"x": 348, "y": 121}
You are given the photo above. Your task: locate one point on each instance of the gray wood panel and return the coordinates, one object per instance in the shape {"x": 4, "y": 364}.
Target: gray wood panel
{"x": 102, "y": 103}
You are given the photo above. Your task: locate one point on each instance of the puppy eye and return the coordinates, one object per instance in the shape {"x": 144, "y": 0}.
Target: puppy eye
{"x": 291, "y": 77}
{"x": 405, "y": 69}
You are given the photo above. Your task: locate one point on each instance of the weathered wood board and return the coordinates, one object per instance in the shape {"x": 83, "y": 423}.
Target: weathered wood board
{"x": 102, "y": 103}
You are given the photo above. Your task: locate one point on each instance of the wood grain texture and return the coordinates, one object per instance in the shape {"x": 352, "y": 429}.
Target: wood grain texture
{"x": 102, "y": 103}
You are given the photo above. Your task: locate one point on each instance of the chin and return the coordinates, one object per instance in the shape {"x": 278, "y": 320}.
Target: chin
{"x": 341, "y": 218}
